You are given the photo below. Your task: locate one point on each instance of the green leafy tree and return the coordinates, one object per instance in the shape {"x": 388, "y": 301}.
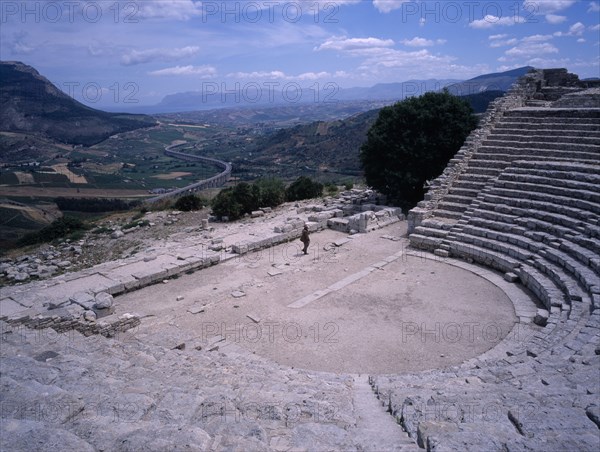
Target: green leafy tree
{"x": 272, "y": 192}
{"x": 188, "y": 203}
{"x": 304, "y": 188}
{"x": 248, "y": 196}
{"x": 225, "y": 205}
{"x": 412, "y": 141}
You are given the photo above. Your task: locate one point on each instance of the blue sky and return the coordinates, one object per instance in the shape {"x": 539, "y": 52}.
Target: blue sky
{"x": 119, "y": 52}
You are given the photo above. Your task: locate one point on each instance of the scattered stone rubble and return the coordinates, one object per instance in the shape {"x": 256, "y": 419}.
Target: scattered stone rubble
{"x": 45, "y": 262}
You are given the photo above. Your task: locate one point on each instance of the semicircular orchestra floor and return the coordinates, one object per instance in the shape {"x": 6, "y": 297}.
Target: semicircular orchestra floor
{"x": 364, "y": 306}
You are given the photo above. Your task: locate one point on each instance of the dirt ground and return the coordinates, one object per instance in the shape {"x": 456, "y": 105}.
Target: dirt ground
{"x": 412, "y": 314}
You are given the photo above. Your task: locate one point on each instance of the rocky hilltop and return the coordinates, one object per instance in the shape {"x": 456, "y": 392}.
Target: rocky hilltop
{"x": 31, "y": 104}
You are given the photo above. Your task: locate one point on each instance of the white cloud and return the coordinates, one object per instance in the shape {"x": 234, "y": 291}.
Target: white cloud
{"x": 272, "y": 75}
{"x": 594, "y": 7}
{"x": 490, "y": 21}
{"x": 595, "y": 28}
{"x": 146, "y": 56}
{"x": 386, "y": 6}
{"x": 347, "y": 44}
{"x": 19, "y": 44}
{"x": 168, "y": 9}
{"x": 422, "y": 42}
{"x": 547, "y": 6}
{"x": 280, "y": 75}
{"x": 528, "y": 49}
{"x": 422, "y": 22}
{"x": 554, "y": 19}
{"x": 501, "y": 41}
{"x": 536, "y": 38}
{"x": 576, "y": 29}
{"x": 581, "y": 40}
{"x": 197, "y": 71}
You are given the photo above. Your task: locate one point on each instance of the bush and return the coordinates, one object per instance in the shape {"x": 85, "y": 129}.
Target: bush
{"x": 188, "y": 203}
{"x": 348, "y": 186}
{"x": 304, "y": 188}
{"x": 271, "y": 192}
{"x": 412, "y": 141}
{"x": 331, "y": 189}
{"x": 225, "y": 205}
{"x": 247, "y": 196}
{"x": 94, "y": 204}
{"x": 59, "y": 228}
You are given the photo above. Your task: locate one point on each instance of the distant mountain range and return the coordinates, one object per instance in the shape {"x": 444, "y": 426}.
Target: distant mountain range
{"x": 322, "y": 136}
{"x": 30, "y": 103}
{"x": 500, "y": 81}
{"x": 253, "y": 95}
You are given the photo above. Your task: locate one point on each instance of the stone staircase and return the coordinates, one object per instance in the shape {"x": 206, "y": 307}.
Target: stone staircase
{"x": 507, "y": 142}
{"x": 526, "y": 203}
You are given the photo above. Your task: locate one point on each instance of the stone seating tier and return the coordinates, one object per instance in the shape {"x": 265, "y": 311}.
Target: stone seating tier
{"x": 536, "y": 220}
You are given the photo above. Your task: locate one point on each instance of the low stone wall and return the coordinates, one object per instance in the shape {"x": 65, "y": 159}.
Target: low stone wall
{"x": 64, "y": 320}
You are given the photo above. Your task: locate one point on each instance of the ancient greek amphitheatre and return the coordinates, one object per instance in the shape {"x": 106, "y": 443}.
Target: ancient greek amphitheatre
{"x": 483, "y": 334}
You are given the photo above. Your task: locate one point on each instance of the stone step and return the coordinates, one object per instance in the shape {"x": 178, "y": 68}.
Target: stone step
{"x": 446, "y": 215}
{"x": 424, "y": 242}
{"x": 561, "y": 179}
{"x": 514, "y": 154}
{"x": 542, "y": 155}
{"x": 491, "y": 173}
{"x": 585, "y": 195}
{"x": 464, "y": 192}
{"x": 499, "y": 254}
{"x": 537, "y": 127}
{"x": 452, "y": 206}
{"x": 547, "y": 136}
{"x": 587, "y": 243}
{"x": 431, "y": 232}
{"x": 563, "y": 201}
{"x": 125, "y": 394}
{"x": 542, "y": 134}
{"x": 488, "y": 164}
{"x": 564, "y": 165}
{"x": 520, "y": 168}
{"x": 475, "y": 178}
{"x": 545, "y": 257}
{"x": 375, "y": 428}
{"x": 458, "y": 199}
{"x": 559, "y": 215}
{"x": 561, "y": 114}
{"x": 578, "y": 145}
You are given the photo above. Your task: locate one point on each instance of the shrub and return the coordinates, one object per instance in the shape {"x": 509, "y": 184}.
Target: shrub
{"x": 62, "y": 227}
{"x": 304, "y": 188}
{"x": 331, "y": 189}
{"x": 248, "y": 196}
{"x": 271, "y": 192}
{"x": 225, "y": 205}
{"x": 188, "y": 203}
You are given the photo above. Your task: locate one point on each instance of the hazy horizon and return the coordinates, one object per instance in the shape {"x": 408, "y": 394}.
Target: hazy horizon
{"x": 117, "y": 53}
